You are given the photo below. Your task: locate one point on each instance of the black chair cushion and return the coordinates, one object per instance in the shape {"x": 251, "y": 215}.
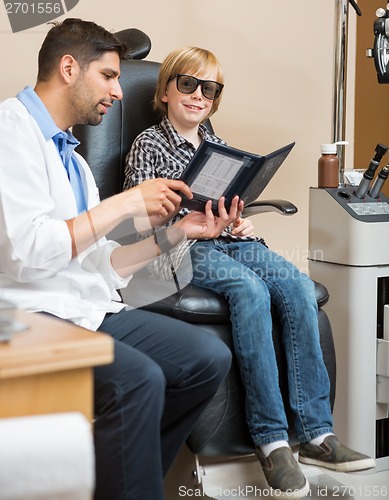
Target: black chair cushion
{"x": 193, "y": 304}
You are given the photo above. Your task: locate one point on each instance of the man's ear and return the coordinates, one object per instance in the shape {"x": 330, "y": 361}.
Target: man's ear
{"x": 69, "y": 67}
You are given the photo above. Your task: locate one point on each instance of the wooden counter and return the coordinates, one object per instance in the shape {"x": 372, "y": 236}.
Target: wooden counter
{"x": 48, "y": 368}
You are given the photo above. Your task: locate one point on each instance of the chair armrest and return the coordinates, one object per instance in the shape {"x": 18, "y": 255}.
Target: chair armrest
{"x": 282, "y": 207}
{"x": 322, "y": 295}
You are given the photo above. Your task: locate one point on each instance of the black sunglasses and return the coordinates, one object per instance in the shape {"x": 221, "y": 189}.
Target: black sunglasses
{"x": 187, "y": 84}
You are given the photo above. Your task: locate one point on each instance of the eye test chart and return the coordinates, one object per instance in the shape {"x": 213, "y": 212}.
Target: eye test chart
{"x": 216, "y": 175}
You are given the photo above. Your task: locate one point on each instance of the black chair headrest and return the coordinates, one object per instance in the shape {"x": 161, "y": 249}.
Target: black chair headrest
{"x": 138, "y": 43}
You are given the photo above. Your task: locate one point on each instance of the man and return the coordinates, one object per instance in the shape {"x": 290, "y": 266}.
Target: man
{"x": 55, "y": 258}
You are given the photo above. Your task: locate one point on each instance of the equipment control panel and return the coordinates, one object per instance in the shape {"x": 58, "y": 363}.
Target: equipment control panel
{"x": 365, "y": 209}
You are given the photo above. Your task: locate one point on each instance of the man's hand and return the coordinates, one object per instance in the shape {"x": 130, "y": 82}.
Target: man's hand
{"x": 199, "y": 225}
{"x": 155, "y": 197}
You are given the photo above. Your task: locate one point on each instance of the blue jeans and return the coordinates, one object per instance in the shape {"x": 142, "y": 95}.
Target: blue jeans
{"x": 253, "y": 279}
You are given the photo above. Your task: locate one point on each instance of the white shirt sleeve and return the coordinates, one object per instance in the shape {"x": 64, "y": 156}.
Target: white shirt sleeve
{"x": 35, "y": 200}
{"x": 34, "y": 243}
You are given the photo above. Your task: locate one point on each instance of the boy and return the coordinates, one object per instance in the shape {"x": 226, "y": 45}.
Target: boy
{"x": 252, "y": 278}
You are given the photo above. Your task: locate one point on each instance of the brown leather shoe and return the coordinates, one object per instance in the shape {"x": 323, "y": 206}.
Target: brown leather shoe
{"x": 334, "y": 455}
{"x": 283, "y": 473}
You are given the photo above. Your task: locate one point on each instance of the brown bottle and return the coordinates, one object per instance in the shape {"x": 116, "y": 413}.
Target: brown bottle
{"x": 328, "y": 167}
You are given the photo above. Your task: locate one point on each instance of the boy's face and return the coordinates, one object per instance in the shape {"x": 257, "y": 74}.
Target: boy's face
{"x": 186, "y": 111}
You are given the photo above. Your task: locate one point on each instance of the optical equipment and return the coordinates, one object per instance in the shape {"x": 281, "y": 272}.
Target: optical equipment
{"x": 187, "y": 84}
{"x": 348, "y": 253}
{"x": 376, "y": 188}
{"x": 380, "y": 51}
{"x": 368, "y": 175}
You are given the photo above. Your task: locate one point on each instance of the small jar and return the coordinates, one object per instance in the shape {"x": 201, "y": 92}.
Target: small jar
{"x": 328, "y": 167}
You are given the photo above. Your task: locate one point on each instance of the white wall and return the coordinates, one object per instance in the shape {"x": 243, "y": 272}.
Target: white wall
{"x": 278, "y": 63}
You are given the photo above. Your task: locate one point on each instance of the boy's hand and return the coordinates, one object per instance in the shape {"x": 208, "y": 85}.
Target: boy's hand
{"x": 242, "y": 227}
{"x": 199, "y": 225}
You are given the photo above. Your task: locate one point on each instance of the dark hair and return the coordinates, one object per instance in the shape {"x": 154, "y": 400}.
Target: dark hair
{"x": 84, "y": 40}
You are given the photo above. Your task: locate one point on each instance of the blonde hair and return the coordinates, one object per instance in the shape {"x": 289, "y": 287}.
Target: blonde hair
{"x": 187, "y": 60}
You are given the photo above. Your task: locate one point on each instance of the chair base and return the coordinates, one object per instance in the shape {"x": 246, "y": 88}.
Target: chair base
{"x": 184, "y": 478}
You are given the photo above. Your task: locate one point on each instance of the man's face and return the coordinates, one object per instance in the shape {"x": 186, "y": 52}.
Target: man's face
{"x": 95, "y": 89}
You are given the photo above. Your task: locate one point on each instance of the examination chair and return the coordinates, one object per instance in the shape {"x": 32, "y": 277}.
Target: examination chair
{"x": 222, "y": 429}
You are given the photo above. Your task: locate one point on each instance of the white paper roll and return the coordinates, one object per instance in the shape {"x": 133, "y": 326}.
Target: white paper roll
{"x": 46, "y": 457}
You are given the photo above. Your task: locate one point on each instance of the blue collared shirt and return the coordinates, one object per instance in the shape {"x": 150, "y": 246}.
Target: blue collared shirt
{"x": 64, "y": 141}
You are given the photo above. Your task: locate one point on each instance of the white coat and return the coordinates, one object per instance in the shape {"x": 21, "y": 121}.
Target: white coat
{"x": 36, "y": 266}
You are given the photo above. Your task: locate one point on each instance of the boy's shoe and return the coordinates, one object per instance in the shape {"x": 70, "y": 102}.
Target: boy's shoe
{"x": 283, "y": 473}
{"x": 334, "y": 455}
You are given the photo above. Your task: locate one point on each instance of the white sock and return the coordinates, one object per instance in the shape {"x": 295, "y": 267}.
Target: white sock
{"x": 269, "y": 447}
{"x": 318, "y": 441}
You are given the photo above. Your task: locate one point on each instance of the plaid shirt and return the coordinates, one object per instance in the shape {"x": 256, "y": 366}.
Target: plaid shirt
{"x": 160, "y": 151}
